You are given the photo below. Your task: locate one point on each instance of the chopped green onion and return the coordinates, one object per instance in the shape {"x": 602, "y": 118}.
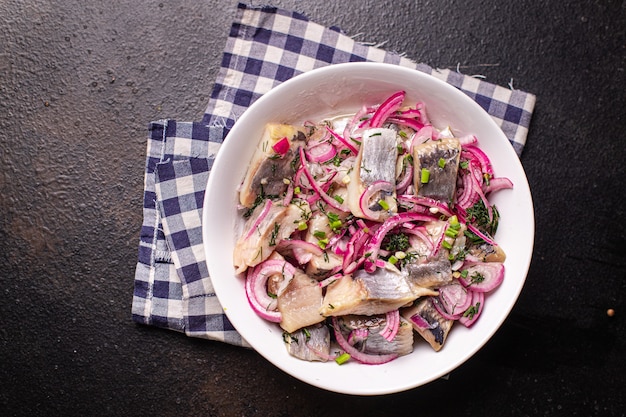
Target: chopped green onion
{"x": 322, "y": 243}
{"x": 393, "y": 260}
{"x": 446, "y": 244}
{"x": 297, "y": 190}
{"x": 441, "y": 163}
{"x": 338, "y": 198}
{"x": 425, "y": 176}
{"x": 383, "y": 204}
{"x": 335, "y": 224}
{"x": 302, "y": 226}
{"x": 450, "y": 232}
{"x": 343, "y": 358}
{"x": 320, "y": 234}
{"x": 464, "y": 273}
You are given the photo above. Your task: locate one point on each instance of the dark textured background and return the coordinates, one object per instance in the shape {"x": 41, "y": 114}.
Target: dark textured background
{"x": 80, "y": 80}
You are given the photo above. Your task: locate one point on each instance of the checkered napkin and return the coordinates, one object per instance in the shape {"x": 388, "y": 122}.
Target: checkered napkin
{"x": 266, "y": 46}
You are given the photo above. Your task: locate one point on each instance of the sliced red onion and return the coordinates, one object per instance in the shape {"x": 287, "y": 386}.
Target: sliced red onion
{"x": 452, "y": 301}
{"x": 481, "y": 157}
{"x": 478, "y": 301}
{"x": 350, "y": 129}
{"x": 480, "y": 234}
{"x": 374, "y": 243}
{"x": 424, "y": 134}
{"x": 466, "y": 196}
{"x": 343, "y": 141}
{"x": 281, "y": 147}
{"x": 421, "y": 322}
{"x": 392, "y": 325}
{"x": 405, "y": 179}
{"x": 477, "y": 187}
{"x": 421, "y": 108}
{"x": 468, "y": 140}
{"x": 321, "y": 152}
{"x": 437, "y": 244}
{"x": 288, "y": 195}
{"x": 357, "y": 355}
{"x": 359, "y": 335}
{"x": 370, "y": 191}
{"x": 256, "y": 287}
{"x": 492, "y": 276}
{"x": 497, "y": 184}
{"x": 420, "y": 233}
{"x": 380, "y": 263}
{"x": 406, "y": 121}
{"x": 326, "y": 357}
{"x": 327, "y": 199}
{"x": 390, "y": 105}
{"x": 435, "y": 206}
{"x": 301, "y": 249}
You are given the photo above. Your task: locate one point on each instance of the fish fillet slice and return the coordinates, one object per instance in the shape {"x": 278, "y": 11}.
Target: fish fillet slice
{"x": 268, "y": 169}
{"x": 367, "y": 294}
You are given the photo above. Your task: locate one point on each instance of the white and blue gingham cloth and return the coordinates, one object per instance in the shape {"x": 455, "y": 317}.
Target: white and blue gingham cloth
{"x": 266, "y": 46}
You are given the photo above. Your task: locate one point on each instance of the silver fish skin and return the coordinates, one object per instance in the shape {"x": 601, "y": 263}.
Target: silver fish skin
{"x": 367, "y": 294}
{"x": 311, "y": 343}
{"x": 401, "y": 344}
{"x": 430, "y": 273}
{"x": 433, "y": 327}
{"x": 268, "y": 170}
{"x": 442, "y": 182}
{"x": 379, "y": 154}
{"x": 376, "y": 161}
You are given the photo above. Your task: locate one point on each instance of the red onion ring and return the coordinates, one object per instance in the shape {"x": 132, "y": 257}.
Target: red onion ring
{"x": 256, "y": 287}
{"x": 392, "y": 325}
{"x": 370, "y": 191}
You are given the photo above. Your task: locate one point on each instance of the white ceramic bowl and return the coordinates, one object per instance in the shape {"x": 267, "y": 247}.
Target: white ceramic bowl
{"x": 339, "y": 89}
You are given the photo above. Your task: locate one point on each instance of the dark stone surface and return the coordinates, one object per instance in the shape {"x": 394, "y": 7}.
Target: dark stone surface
{"x": 80, "y": 80}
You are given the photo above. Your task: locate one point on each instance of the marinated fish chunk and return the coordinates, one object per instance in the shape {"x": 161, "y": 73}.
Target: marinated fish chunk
{"x": 440, "y": 159}
{"x": 371, "y": 341}
{"x": 430, "y": 273}
{"x": 488, "y": 253}
{"x": 427, "y": 321}
{"x": 300, "y": 302}
{"x": 269, "y": 224}
{"x": 271, "y": 163}
{"x": 310, "y": 343}
{"x": 367, "y": 293}
{"x": 375, "y": 166}
{"x": 320, "y": 267}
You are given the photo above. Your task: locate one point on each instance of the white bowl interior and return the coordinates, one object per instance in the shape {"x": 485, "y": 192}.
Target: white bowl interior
{"x": 340, "y": 89}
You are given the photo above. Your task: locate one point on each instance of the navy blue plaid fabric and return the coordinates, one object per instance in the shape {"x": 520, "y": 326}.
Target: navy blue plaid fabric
{"x": 266, "y": 46}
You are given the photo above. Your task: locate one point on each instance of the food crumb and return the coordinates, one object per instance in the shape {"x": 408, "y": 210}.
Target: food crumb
{"x": 610, "y": 312}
